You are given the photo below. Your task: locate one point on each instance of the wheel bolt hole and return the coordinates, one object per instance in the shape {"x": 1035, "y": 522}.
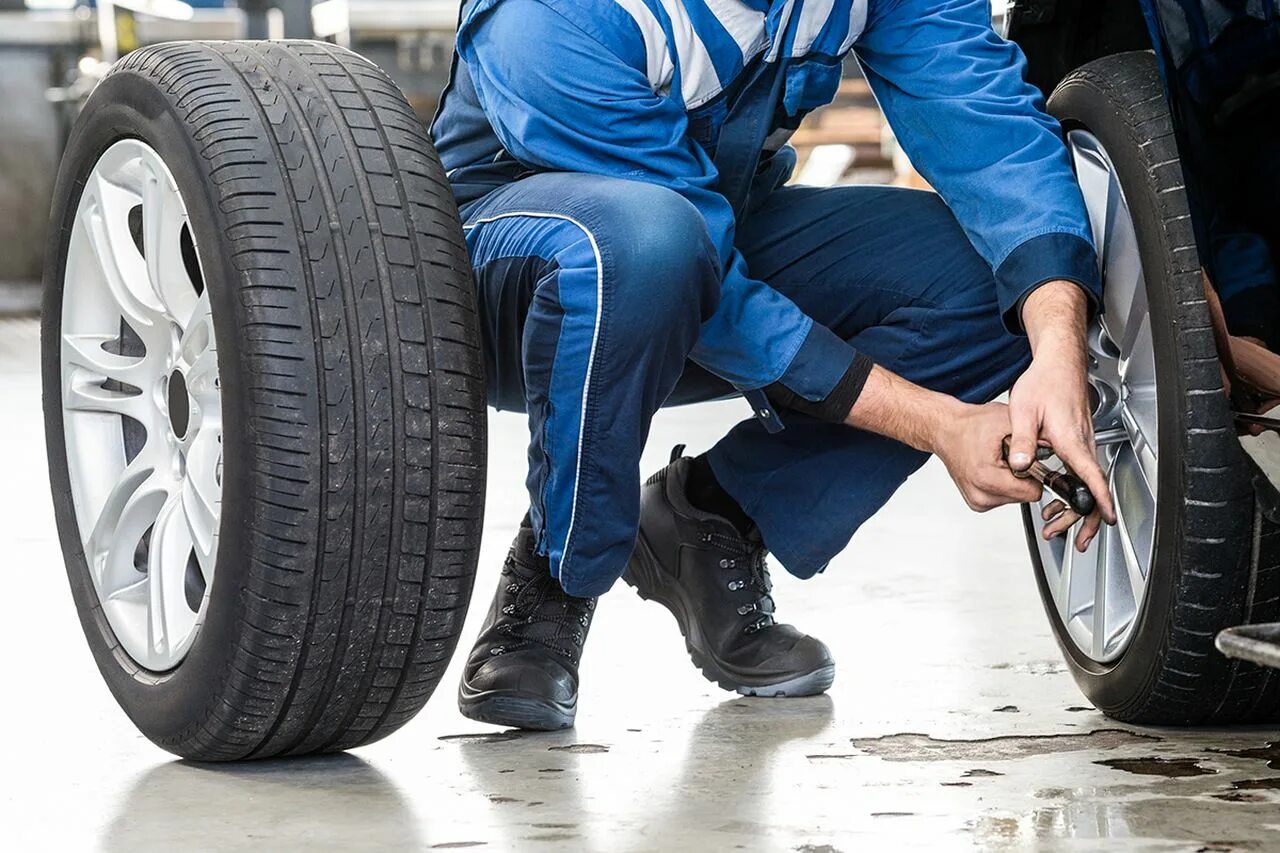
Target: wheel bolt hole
{"x": 179, "y": 404}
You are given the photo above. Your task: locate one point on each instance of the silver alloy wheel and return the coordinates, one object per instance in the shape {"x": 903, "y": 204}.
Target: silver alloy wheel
{"x": 142, "y": 410}
{"x": 1099, "y": 594}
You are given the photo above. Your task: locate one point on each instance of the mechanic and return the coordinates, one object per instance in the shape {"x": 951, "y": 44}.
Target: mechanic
{"x": 620, "y": 168}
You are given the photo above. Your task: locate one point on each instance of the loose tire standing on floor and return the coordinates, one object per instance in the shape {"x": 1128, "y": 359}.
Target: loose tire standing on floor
{"x": 1136, "y": 614}
{"x": 263, "y": 398}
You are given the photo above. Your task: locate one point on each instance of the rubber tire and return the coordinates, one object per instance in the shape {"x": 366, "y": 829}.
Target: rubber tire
{"x": 351, "y": 375}
{"x": 1208, "y": 570}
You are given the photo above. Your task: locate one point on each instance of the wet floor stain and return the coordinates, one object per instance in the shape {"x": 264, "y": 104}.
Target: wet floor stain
{"x": 1240, "y": 797}
{"x": 911, "y": 746}
{"x": 580, "y": 748}
{"x": 979, "y": 771}
{"x": 816, "y": 848}
{"x": 494, "y": 798}
{"x": 551, "y": 770}
{"x": 893, "y": 814}
{"x": 1269, "y": 753}
{"x": 1006, "y": 709}
{"x": 1171, "y": 768}
{"x": 482, "y": 737}
{"x": 956, "y": 784}
{"x": 1034, "y": 667}
{"x": 1075, "y": 709}
{"x": 457, "y": 845}
{"x": 1272, "y": 784}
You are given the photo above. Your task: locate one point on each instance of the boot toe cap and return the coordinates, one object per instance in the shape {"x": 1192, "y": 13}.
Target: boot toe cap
{"x": 526, "y": 675}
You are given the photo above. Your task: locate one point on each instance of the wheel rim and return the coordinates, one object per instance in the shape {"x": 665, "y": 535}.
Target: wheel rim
{"x": 141, "y": 405}
{"x": 1098, "y": 594}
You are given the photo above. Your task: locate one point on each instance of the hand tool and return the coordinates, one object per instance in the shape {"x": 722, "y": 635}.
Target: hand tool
{"x": 1064, "y": 484}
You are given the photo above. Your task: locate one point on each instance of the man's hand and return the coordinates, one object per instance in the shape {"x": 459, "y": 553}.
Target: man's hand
{"x": 970, "y": 447}
{"x": 1049, "y": 403}
{"x": 967, "y": 438}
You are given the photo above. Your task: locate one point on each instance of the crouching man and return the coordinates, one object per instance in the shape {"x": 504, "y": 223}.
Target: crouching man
{"x": 620, "y": 167}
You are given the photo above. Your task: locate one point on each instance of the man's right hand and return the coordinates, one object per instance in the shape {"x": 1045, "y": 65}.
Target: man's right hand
{"x": 966, "y": 437}
{"x": 970, "y": 447}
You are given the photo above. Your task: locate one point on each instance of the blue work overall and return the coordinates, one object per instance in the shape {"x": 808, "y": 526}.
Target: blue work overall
{"x": 607, "y": 293}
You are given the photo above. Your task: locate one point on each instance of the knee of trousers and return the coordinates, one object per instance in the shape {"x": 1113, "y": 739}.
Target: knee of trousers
{"x": 662, "y": 269}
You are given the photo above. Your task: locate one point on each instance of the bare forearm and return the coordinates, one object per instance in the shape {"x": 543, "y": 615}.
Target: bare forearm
{"x": 1054, "y": 317}
{"x": 892, "y": 406}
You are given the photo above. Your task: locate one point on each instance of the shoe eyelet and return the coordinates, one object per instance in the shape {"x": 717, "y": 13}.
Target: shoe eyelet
{"x": 509, "y": 609}
{"x": 497, "y": 650}
{"x": 745, "y": 609}
{"x": 513, "y": 587}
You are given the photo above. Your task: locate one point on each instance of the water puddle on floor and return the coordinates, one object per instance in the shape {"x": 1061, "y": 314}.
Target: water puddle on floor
{"x": 910, "y": 746}
{"x": 1172, "y": 768}
{"x": 1269, "y": 753}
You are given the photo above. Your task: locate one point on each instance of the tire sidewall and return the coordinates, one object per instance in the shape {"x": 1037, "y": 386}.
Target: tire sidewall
{"x": 170, "y": 706}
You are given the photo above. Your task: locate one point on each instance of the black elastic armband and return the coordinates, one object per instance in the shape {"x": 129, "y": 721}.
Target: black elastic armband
{"x": 833, "y": 408}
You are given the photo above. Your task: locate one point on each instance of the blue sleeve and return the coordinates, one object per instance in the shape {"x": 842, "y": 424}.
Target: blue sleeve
{"x": 955, "y": 96}
{"x": 574, "y": 96}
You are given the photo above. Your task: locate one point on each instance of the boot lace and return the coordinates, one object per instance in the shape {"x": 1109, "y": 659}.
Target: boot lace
{"x": 744, "y": 561}
{"x": 542, "y": 613}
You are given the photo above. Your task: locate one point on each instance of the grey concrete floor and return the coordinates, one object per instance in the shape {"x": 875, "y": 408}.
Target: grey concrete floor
{"x": 952, "y": 723}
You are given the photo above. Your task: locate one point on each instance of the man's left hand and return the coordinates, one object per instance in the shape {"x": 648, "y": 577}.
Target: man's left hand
{"x": 1050, "y": 403}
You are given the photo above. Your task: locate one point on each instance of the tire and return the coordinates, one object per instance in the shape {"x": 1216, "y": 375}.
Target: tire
{"x": 320, "y": 231}
{"x": 1207, "y": 571}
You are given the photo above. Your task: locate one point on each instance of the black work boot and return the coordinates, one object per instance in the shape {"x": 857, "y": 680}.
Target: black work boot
{"x": 523, "y": 670}
{"x": 715, "y": 581}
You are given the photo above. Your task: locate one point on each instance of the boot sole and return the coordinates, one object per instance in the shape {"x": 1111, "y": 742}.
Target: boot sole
{"x": 515, "y": 711}
{"x": 645, "y": 563}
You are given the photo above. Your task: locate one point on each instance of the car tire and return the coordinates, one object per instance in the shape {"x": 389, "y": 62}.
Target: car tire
{"x": 333, "y": 537}
{"x": 1213, "y": 562}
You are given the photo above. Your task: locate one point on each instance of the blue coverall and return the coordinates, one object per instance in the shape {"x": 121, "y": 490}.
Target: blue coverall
{"x": 627, "y": 255}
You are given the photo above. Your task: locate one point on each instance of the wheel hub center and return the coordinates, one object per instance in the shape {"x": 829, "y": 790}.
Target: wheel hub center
{"x": 179, "y": 404}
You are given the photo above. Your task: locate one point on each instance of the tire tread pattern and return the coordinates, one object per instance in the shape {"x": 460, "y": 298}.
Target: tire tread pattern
{"x": 366, "y": 434}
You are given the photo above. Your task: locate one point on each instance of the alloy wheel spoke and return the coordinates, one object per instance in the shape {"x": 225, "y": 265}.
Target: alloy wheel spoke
{"x": 107, "y": 231}
{"x": 170, "y": 618}
{"x": 130, "y": 508}
{"x": 1099, "y": 614}
{"x": 87, "y": 395}
{"x": 1124, "y": 290}
{"x": 198, "y": 354}
{"x": 201, "y": 490}
{"x": 1096, "y": 184}
{"x": 162, "y": 219}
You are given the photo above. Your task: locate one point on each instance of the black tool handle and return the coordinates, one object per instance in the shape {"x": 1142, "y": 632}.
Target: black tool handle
{"x": 1071, "y": 489}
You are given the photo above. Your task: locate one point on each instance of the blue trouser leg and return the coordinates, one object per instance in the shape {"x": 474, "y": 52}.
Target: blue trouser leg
{"x": 890, "y": 271}
{"x": 591, "y": 291}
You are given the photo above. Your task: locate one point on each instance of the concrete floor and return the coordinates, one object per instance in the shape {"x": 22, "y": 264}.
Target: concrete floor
{"x": 952, "y": 723}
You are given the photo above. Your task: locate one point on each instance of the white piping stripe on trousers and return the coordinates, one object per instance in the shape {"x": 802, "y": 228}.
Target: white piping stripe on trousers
{"x": 698, "y": 80}
{"x": 658, "y": 67}
{"x": 813, "y": 14}
{"x": 744, "y": 24}
{"x": 591, "y": 358}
